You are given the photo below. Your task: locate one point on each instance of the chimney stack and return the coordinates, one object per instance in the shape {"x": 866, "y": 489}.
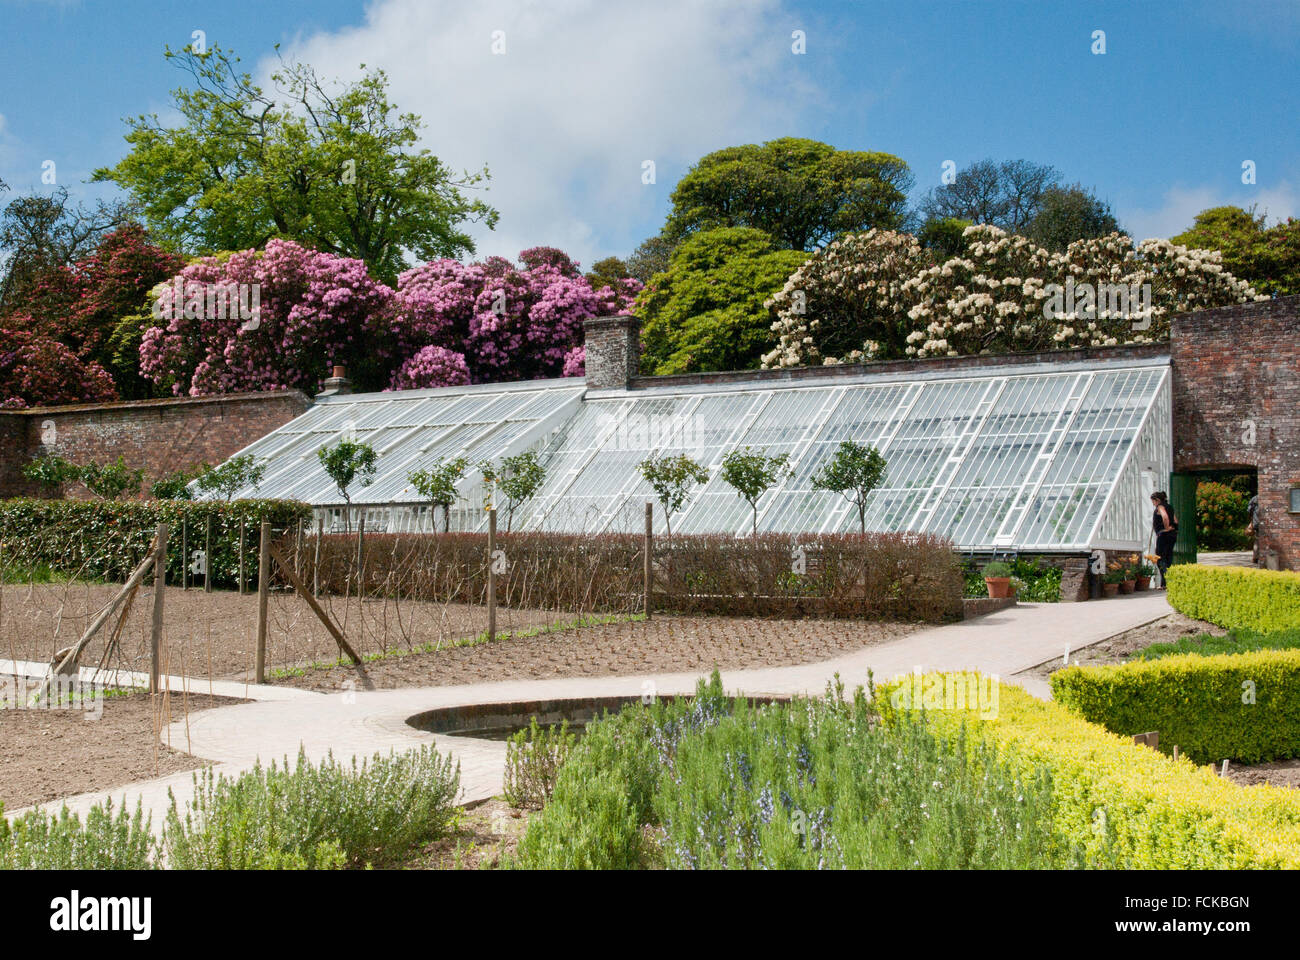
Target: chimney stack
{"x": 613, "y": 351}
{"x": 338, "y": 384}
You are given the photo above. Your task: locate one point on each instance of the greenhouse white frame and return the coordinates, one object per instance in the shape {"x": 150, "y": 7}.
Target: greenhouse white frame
{"x": 1048, "y": 457}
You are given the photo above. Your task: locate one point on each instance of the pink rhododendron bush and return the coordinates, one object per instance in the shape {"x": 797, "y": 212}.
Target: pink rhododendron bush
{"x": 287, "y": 314}
{"x": 281, "y": 317}
{"x": 505, "y": 321}
{"x": 36, "y": 370}
{"x": 879, "y": 295}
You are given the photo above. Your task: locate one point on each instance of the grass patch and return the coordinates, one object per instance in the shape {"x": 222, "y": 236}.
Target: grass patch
{"x": 1235, "y": 641}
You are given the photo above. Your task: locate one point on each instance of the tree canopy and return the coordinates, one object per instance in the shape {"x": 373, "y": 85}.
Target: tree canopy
{"x": 802, "y": 193}
{"x": 333, "y": 166}
{"x": 1006, "y": 195}
{"x": 1067, "y": 214}
{"x": 1268, "y": 257}
{"x": 707, "y": 311}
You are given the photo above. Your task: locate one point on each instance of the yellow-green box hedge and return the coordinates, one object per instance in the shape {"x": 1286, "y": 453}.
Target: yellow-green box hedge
{"x": 1241, "y": 706}
{"x": 1128, "y": 806}
{"x": 1234, "y": 597}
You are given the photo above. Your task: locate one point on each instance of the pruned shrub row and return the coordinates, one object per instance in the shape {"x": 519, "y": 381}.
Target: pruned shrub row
{"x": 898, "y": 576}
{"x": 1243, "y": 706}
{"x": 105, "y": 539}
{"x": 1128, "y": 806}
{"x": 1233, "y": 597}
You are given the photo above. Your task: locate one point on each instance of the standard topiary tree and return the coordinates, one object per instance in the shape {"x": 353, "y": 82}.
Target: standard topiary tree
{"x": 437, "y": 485}
{"x": 672, "y": 478}
{"x": 346, "y": 461}
{"x": 853, "y": 472}
{"x": 518, "y": 477}
{"x": 752, "y": 474}
{"x": 227, "y": 479}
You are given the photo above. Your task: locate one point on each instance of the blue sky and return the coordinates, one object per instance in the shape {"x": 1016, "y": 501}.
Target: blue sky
{"x": 587, "y": 91}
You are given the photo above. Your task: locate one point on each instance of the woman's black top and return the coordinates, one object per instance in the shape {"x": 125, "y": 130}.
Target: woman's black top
{"x": 1158, "y": 527}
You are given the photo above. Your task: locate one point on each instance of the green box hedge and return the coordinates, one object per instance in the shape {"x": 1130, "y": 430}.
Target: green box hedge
{"x": 105, "y": 539}
{"x": 1233, "y": 597}
{"x": 1243, "y": 706}
{"x": 1128, "y": 806}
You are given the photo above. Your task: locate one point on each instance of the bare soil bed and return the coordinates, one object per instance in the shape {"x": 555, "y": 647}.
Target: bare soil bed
{"x": 48, "y": 754}
{"x": 661, "y": 645}
{"x": 486, "y": 832}
{"x": 215, "y": 634}
{"x": 1279, "y": 773}
{"x": 1119, "y": 648}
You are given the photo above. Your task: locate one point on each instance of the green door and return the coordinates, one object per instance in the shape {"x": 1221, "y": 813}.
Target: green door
{"x": 1182, "y": 497}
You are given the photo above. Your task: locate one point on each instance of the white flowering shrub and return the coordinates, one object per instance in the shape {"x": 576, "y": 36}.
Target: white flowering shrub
{"x": 878, "y": 295}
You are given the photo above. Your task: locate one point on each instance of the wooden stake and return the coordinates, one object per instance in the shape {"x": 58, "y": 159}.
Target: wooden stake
{"x": 185, "y": 554}
{"x": 649, "y": 551}
{"x": 207, "y": 557}
{"x": 492, "y": 575}
{"x": 263, "y": 590}
{"x": 315, "y": 566}
{"x": 159, "y": 587}
{"x": 242, "y": 584}
{"x": 1175, "y": 751}
{"x": 302, "y": 591}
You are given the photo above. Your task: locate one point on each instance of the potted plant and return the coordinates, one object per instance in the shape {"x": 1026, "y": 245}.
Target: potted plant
{"x": 1145, "y": 571}
{"x": 1110, "y": 586}
{"x": 997, "y": 579}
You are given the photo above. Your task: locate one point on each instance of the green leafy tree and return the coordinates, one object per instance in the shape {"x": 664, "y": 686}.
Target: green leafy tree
{"x": 801, "y": 192}
{"x": 942, "y": 237}
{"x": 227, "y": 479}
{"x": 346, "y": 461}
{"x": 176, "y": 485}
{"x": 708, "y": 311}
{"x": 518, "y": 478}
{"x": 437, "y": 485}
{"x": 752, "y": 473}
{"x": 332, "y": 166}
{"x": 104, "y": 481}
{"x": 672, "y": 479}
{"x": 609, "y": 272}
{"x": 1067, "y": 214}
{"x": 853, "y": 472}
{"x": 1267, "y": 257}
{"x": 51, "y": 471}
{"x": 652, "y": 256}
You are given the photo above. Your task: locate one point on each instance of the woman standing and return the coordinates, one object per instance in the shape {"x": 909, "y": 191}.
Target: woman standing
{"x": 1165, "y": 525}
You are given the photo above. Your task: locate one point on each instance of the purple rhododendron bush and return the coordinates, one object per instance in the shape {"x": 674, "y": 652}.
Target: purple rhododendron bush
{"x": 287, "y": 313}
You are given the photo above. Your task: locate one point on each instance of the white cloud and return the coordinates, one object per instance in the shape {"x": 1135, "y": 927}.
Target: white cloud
{"x": 1181, "y": 205}
{"x": 585, "y": 92}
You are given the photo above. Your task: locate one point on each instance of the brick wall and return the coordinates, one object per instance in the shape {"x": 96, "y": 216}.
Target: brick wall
{"x": 158, "y": 435}
{"x": 1236, "y": 393}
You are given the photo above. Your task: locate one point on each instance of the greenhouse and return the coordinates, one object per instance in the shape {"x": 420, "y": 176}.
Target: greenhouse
{"x": 1049, "y": 458}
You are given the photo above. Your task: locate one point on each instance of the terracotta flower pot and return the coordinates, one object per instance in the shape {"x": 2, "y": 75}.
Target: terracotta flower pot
{"x": 1143, "y": 583}
{"x": 998, "y": 587}
{"x": 1109, "y": 589}
{"x": 1127, "y": 586}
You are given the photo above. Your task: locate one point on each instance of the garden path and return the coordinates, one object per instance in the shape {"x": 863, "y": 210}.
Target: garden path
{"x": 360, "y": 723}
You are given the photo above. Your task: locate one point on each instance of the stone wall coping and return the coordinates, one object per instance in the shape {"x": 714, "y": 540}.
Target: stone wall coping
{"x": 163, "y": 402}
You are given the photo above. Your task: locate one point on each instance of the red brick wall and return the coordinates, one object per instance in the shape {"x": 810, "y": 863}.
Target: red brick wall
{"x": 1236, "y": 371}
{"x": 158, "y": 435}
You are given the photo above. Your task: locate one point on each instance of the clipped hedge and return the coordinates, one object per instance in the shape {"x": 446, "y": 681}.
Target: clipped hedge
{"x": 105, "y": 539}
{"x": 1129, "y": 806}
{"x": 876, "y": 575}
{"x": 1233, "y": 597}
{"x": 1243, "y": 706}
